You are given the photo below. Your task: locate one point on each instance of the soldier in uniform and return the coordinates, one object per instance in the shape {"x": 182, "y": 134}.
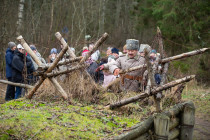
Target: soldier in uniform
{"x": 130, "y": 81}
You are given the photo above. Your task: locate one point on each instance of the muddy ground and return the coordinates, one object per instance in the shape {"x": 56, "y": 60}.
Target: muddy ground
{"x": 202, "y": 120}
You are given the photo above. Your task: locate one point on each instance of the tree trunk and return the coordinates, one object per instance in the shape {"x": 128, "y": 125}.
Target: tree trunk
{"x": 20, "y": 16}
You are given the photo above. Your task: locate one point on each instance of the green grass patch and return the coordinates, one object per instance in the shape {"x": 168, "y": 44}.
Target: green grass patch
{"x": 23, "y": 119}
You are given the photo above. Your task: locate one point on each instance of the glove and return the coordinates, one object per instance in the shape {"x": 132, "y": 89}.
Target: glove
{"x": 116, "y": 71}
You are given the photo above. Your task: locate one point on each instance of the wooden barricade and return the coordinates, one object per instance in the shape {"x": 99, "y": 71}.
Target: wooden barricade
{"x": 176, "y": 123}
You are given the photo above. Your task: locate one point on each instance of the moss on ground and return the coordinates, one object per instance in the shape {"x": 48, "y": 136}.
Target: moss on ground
{"x": 24, "y": 119}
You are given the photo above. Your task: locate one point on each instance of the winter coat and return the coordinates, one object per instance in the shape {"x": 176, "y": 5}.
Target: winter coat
{"x": 97, "y": 76}
{"x": 9, "y": 56}
{"x": 18, "y": 66}
{"x": 125, "y": 62}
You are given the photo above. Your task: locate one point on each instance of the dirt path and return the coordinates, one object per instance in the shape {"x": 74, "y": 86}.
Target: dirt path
{"x": 201, "y": 129}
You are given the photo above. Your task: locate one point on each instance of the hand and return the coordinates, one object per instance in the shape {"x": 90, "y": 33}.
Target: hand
{"x": 101, "y": 67}
{"x": 116, "y": 71}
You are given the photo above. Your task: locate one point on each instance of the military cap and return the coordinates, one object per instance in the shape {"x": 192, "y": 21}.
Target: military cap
{"x": 132, "y": 44}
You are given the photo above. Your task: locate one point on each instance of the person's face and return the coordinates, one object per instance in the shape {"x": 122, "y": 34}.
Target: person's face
{"x": 21, "y": 51}
{"x": 115, "y": 55}
{"x": 90, "y": 47}
{"x": 132, "y": 53}
{"x": 152, "y": 55}
{"x": 124, "y": 51}
{"x": 34, "y": 51}
{"x": 142, "y": 54}
{"x": 14, "y": 48}
{"x": 108, "y": 52}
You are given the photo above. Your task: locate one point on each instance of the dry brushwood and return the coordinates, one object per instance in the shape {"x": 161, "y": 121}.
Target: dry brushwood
{"x": 153, "y": 91}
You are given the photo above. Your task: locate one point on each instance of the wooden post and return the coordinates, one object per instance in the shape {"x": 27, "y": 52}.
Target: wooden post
{"x": 187, "y": 122}
{"x": 161, "y": 125}
{"x": 39, "y": 63}
{"x": 63, "y": 42}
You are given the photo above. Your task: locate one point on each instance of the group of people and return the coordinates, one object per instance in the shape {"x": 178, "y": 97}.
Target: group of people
{"x": 107, "y": 69}
{"x": 20, "y": 66}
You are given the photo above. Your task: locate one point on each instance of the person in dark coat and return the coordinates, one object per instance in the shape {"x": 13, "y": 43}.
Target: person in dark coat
{"x": 10, "y": 93}
{"x": 18, "y": 67}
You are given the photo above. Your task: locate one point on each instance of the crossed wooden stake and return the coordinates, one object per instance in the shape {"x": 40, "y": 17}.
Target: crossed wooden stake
{"x": 46, "y": 73}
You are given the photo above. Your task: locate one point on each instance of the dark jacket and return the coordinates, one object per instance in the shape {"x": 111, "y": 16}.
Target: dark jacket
{"x": 9, "y": 56}
{"x": 18, "y": 66}
{"x": 97, "y": 76}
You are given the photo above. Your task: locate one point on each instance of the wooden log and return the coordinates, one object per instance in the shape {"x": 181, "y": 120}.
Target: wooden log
{"x": 173, "y": 134}
{"x": 145, "y": 136}
{"x": 161, "y": 127}
{"x": 59, "y": 88}
{"x": 36, "y": 86}
{"x": 143, "y": 127}
{"x": 176, "y": 57}
{"x": 65, "y": 71}
{"x": 16, "y": 84}
{"x": 60, "y": 55}
{"x": 184, "y": 55}
{"x": 153, "y": 91}
{"x": 63, "y": 42}
{"x": 173, "y": 123}
{"x": 187, "y": 122}
{"x": 97, "y": 44}
{"x": 60, "y": 63}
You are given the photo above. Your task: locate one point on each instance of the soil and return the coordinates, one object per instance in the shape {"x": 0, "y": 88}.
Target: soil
{"x": 201, "y": 128}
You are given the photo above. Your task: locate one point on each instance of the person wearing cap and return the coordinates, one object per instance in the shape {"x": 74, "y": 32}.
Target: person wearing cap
{"x": 142, "y": 49}
{"x": 18, "y": 68}
{"x": 10, "y": 93}
{"x": 53, "y": 54}
{"x": 130, "y": 81}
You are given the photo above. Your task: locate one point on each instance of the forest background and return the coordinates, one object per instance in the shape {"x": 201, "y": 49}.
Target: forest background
{"x": 184, "y": 25}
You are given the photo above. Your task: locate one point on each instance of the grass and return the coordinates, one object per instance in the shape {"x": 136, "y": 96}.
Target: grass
{"x": 200, "y": 96}
{"x": 29, "y": 119}
{"x": 24, "y": 119}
